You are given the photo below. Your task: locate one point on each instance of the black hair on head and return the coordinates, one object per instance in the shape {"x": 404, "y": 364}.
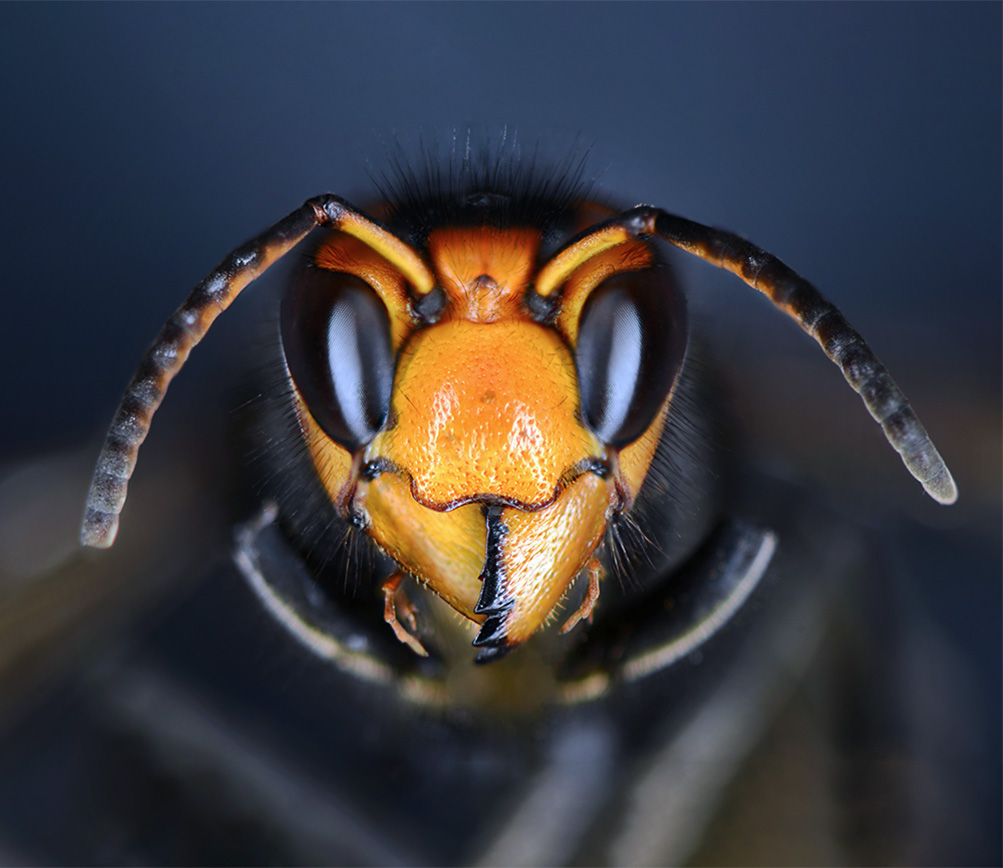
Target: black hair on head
{"x": 471, "y": 179}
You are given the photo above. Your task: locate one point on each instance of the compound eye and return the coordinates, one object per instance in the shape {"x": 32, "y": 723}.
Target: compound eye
{"x": 631, "y": 344}
{"x": 336, "y": 341}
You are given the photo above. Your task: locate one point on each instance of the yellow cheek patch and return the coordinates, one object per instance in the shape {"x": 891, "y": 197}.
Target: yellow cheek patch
{"x": 635, "y": 460}
{"x": 332, "y": 463}
{"x": 485, "y": 271}
{"x": 485, "y": 410}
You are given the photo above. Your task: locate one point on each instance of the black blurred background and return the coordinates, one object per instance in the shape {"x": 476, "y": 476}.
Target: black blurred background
{"x": 861, "y": 143}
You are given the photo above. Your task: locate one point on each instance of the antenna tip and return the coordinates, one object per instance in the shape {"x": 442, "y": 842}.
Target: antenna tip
{"x": 942, "y": 488}
{"x": 98, "y": 529}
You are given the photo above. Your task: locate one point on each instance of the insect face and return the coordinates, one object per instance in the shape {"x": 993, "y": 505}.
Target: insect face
{"x": 491, "y": 466}
{"x": 487, "y": 384}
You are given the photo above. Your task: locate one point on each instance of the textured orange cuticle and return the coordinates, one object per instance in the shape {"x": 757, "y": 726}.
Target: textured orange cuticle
{"x": 486, "y": 410}
{"x": 484, "y": 272}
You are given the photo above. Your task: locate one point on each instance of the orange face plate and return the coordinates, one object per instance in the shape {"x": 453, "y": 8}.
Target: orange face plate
{"x": 484, "y": 272}
{"x": 485, "y": 412}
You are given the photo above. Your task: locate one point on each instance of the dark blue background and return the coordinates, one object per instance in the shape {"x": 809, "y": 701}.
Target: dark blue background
{"x": 860, "y": 142}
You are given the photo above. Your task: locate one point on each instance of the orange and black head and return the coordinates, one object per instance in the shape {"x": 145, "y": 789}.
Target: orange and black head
{"x": 485, "y": 371}
{"x": 483, "y": 434}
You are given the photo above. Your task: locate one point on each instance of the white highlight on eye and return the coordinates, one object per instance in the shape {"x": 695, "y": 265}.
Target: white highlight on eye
{"x": 343, "y": 356}
{"x": 624, "y": 364}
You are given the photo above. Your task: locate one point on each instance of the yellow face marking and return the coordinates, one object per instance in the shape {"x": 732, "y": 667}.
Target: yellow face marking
{"x": 332, "y": 463}
{"x": 555, "y": 272}
{"x": 485, "y": 410}
{"x": 391, "y": 248}
{"x": 635, "y": 459}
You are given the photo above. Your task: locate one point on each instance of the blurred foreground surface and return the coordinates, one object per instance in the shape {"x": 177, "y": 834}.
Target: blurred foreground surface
{"x": 152, "y": 713}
